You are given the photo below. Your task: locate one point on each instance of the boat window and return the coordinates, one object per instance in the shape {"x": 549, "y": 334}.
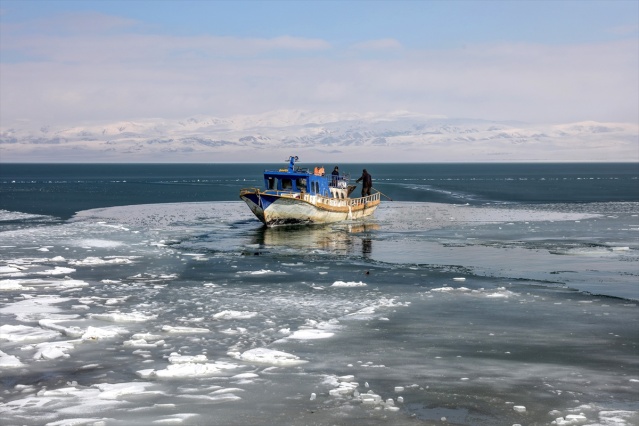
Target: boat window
{"x": 301, "y": 184}
{"x": 287, "y": 184}
{"x": 271, "y": 183}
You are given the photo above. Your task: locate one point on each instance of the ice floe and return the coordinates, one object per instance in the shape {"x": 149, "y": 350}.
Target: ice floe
{"x": 34, "y": 308}
{"x": 23, "y": 333}
{"x": 497, "y": 293}
{"x": 184, "y": 330}
{"x": 99, "y": 333}
{"x": 570, "y": 420}
{"x": 6, "y": 215}
{"x": 9, "y": 361}
{"x": 176, "y": 358}
{"x": 310, "y": 334}
{"x": 347, "y": 387}
{"x": 123, "y": 316}
{"x": 52, "y": 350}
{"x": 191, "y": 369}
{"x": 58, "y": 270}
{"x": 271, "y": 357}
{"x": 97, "y": 243}
{"x": 7, "y": 270}
{"x": 143, "y": 343}
{"x": 348, "y": 284}
{"x": 13, "y": 285}
{"x": 35, "y": 283}
{"x": 231, "y": 314}
{"x": 96, "y": 261}
{"x": 260, "y": 272}
{"x": 116, "y": 390}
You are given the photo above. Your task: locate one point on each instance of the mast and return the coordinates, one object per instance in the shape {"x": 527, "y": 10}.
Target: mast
{"x": 291, "y": 163}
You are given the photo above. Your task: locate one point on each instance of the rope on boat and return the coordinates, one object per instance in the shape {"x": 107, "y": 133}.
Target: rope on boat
{"x": 382, "y": 193}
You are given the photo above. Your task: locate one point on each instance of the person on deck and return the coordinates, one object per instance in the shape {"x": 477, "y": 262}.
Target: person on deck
{"x": 367, "y": 183}
{"x": 335, "y": 174}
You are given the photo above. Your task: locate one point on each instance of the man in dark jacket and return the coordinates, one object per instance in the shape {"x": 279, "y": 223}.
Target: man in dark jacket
{"x": 367, "y": 183}
{"x": 335, "y": 175}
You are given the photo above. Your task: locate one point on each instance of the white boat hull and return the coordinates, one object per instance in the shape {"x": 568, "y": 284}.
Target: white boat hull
{"x": 282, "y": 209}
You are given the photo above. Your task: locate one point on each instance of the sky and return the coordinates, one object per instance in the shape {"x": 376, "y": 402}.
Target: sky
{"x": 78, "y": 62}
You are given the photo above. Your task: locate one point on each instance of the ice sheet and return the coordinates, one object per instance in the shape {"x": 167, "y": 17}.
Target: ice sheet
{"x": 178, "y": 313}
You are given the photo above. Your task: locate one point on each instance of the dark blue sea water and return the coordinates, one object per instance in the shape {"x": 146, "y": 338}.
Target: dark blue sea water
{"x": 477, "y": 294}
{"x": 63, "y": 189}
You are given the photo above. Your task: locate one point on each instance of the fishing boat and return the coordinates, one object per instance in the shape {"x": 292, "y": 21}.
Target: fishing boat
{"x": 296, "y": 195}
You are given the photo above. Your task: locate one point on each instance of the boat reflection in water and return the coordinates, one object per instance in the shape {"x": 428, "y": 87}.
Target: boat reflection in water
{"x": 340, "y": 239}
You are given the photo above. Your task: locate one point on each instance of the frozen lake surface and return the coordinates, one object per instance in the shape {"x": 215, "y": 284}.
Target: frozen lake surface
{"x": 192, "y": 313}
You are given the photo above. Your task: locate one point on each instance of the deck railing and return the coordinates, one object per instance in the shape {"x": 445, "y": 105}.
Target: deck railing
{"x": 338, "y": 181}
{"x": 341, "y": 202}
{"x": 336, "y": 202}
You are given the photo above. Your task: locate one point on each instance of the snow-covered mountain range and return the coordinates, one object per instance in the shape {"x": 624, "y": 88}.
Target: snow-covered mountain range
{"x": 272, "y": 137}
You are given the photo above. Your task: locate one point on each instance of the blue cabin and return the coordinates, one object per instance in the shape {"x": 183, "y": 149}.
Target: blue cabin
{"x": 296, "y": 179}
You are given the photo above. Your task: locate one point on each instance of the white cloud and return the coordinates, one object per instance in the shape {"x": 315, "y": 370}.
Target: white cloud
{"x": 117, "y": 70}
